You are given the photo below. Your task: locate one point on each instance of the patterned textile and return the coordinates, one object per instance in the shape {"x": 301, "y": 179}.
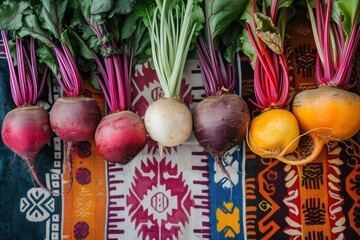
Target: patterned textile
{"x": 182, "y": 194}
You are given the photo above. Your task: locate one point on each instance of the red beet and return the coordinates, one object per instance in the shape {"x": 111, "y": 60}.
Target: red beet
{"x": 74, "y": 120}
{"x": 25, "y": 131}
{"x": 220, "y": 124}
{"x": 120, "y": 136}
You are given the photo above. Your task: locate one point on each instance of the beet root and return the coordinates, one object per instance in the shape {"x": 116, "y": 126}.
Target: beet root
{"x": 168, "y": 122}
{"x": 25, "y": 131}
{"x": 220, "y": 124}
{"x": 120, "y": 136}
{"x": 74, "y": 119}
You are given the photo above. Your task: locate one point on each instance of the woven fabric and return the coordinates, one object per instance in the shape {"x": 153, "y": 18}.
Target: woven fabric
{"x": 181, "y": 193}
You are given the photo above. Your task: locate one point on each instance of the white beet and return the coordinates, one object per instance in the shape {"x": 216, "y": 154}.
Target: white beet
{"x": 168, "y": 121}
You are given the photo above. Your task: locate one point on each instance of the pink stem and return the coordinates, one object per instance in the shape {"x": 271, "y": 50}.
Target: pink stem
{"x": 112, "y": 82}
{"x": 64, "y": 81}
{"x": 328, "y": 67}
{"x": 273, "y": 10}
{"x": 105, "y": 91}
{"x": 21, "y": 70}
{"x": 42, "y": 83}
{"x": 75, "y": 76}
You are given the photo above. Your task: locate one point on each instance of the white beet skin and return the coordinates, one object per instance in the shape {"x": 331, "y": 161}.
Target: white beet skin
{"x": 168, "y": 121}
{"x": 120, "y": 136}
{"x": 25, "y": 130}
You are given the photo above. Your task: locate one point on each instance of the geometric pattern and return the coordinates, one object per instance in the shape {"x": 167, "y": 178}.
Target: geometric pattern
{"x": 38, "y": 204}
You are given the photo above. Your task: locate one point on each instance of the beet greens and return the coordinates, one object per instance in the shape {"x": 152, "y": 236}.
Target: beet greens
{"x": 25, "y": 84}
{"x": 26, "y": 87}
{"x": 25, "y": 129}
{"x": 217, "y": 46}
{"x": 173, "y": 28}
{"x": 44, "y": 21}
{"x": 336, "y": 31}
{"x": 118, "y": 42}
{"x": 263, "y": 42}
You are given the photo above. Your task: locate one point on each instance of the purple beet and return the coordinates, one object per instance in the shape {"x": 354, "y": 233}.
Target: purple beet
{"x": 220, "y": 124}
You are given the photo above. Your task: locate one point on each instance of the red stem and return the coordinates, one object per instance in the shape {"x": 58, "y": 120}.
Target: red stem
{"x": 328, "y": 67}
{"x": 264, "y": 51}
{"x": 264, "y": 63}
{"x": 207, "y": 73}
{"x": 64, "y": 81}
{"x": 75, "y": 76}
{"x": 42, "y": 83}
{"x": 104, "y": 90}
{"x": 273, "y": 10}
{"x": 21, "y": 70}
{"x": 319, "y": 71}
{"x": 111, "y": 84}
{"x": 343, "y": 73}
{"x": 34, "y": 70}
{"x": 14, "y": 84}
{"x": 31, "y": 81}
{"x": 212, "y": 56}
{"x": 127, "y": 78}
{"x": 258, "y": 89}
{"x": 285, "y": 83}
{"x": 120, "y": 81}
{"x": 320, "y": 22}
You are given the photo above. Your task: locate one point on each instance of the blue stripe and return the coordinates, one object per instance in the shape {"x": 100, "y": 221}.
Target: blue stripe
{"x": 220, "y": 193}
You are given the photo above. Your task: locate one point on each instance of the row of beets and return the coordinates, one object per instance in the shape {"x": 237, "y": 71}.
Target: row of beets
{"x": 219, "y": 122}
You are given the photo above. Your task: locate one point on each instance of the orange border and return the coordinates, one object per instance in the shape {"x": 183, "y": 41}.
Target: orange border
{"x": 321, "y": 193}
{"x": 87, "y": 203}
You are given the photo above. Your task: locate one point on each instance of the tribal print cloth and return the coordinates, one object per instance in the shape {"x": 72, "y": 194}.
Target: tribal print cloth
{"x": 181, "y": 193}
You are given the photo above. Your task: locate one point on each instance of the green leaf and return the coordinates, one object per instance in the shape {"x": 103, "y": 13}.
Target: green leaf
{"x": 142, "y": 44}
{"x": 84, "y": 8}
{"x": 145, "y": 10}
{"x": 244, "y": 42}
{"x": 122, "y": 7}
{"x": 31, "y": 27}
{"x": 11, "y": 14}
{"x": 284, "y": 18}
{"x": 222, "y": 13}
{"x": 198, "y": 18}
{"x": 81, "y": 45}
{"x": 348, "y": 8}
{"x": 46, "y": 56}
{"x": 247, "y": 47}
{"x": 264, "y": 23}
{"x": 98, "y": 7}
{"x": 94, "y": 82}
{"x": 114, "y": 24}
{"x": 129, "y": 26}
{"x": 284, "y": 4}
{"x": 229, "y": 41}
{"x": 312, "y": 3}
{"x": 65, "y": 39}
{"x": 268, "y": 32}
{"x": 78, "y": 45}
{"x": 52, "y": 14}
